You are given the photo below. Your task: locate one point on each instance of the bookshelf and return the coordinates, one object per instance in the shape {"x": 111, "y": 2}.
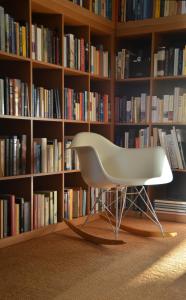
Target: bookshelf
{"x": 162, "y": 34}
{"x": 44, "y": 123}
{"x": 49, "y": 78}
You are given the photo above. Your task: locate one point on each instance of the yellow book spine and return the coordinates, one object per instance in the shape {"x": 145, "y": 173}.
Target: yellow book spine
{"x": 157, "y": 9}
{"x": 24, "y": 40}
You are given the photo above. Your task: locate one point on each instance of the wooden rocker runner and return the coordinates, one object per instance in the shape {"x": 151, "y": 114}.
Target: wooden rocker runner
{"x": 113, "y": 169}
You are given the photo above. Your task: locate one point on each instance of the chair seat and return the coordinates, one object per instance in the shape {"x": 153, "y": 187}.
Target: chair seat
{"x": 133, "y": 181}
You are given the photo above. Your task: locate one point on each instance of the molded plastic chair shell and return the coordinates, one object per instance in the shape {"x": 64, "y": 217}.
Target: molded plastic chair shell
{"x": 106, "y": 165}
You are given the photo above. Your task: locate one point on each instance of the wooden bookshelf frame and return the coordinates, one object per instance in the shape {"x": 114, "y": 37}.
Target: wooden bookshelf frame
{"x": 69, "y": 14}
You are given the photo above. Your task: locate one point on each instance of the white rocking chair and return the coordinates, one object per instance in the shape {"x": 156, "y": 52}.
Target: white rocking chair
{"x": 111, "y": 168}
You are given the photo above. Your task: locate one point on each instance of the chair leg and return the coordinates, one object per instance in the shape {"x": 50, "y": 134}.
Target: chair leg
{"x": 149, "y": 206}
{"x": 92, "y": 209}
{"x": 124, "y": 198}
{"x": 117, "y": 215}
{"x": 153, "y": 211}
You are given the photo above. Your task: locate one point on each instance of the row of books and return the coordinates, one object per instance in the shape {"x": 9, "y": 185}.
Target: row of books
{"x": 75, "y": 104}
{"x": 133, "y": 138}
{"x": 122, "y": 64}
{"x": 13, "y": 35}
{"x": 47, "y": 155}
{"x": 45, "y": 44}
{"x": 170, "y": 206}
{"x": 45, "y": 103}
{"x": 169, "y": 61}
{"x": 165, "y": 8}
{"x": 106, "y": 199}
{"x": 134, "y": 10}
{"x": 99, "y": 61}
{"x": 14, "y": 97}
{"x": 169, "y": 108}
{"x": 71, "y": 161}
{"x": 76, "y": 53}
{"x": 102, "y": 8}
{"x": 100, "y": 107}
{"x": 134, "y": 63}
{"x": 79, "y": 2}
{"x": 75, "y": 203}
{"x": 14, "y": 215}
{"x": 13, "y": 151}
{"x": 135, "y": 110}
{"x": 44, "y": 208}
{"x": 173, "y": 140}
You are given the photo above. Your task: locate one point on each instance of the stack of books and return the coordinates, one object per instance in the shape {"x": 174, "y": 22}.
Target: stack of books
{"x": 173, "y": 140}
{"x": 76, "y": 53}
{"x": 14, "y": 97}
{"x": 75, "y": 203}
{"x": 100, "y": 107}
{"x": 102, "y": 8}
{"x": 47, "y": 155}
{"x": 170, "y": 108}
{"x": 45, "y": 103}
{"x": 15, "y": 215}
{"x": 44, "y": 208}
{"x": 133, "y": 138}
{"x": 71, "y": 160}
{"x": 134, "y": 10}
{"x": 13, "y": 151}
{"x": 99, "y": 61}
{"x": 133, "y": 110}
{"x": 45, "y": 44}
{"x": 170, "y": 206}
{"x": 76, "y": 105}
{"x": 14, "y": 36}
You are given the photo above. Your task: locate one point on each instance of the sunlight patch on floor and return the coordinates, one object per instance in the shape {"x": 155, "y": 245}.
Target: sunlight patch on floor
{"x": 168, "y": 268}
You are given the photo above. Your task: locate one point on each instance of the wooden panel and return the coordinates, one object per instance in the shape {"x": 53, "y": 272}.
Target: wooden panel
{"x": 49, "y": 130}
{"x": 54, "y": 182}
{"x": 74, "y": 180}
{"x": 78, "y": 83}
{"x": 71, "y": 128}
{"x": 74, "y": 13}
{"x": 19, "y": 9}
{"x": 102, "y": 129}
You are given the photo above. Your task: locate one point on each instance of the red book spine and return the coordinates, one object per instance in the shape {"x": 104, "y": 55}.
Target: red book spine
{"x": 12, "y": 215}
{"x": 82, "y": 55}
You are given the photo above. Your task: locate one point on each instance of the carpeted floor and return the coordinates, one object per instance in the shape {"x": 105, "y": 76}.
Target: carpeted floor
{"x": 62, "y": 266}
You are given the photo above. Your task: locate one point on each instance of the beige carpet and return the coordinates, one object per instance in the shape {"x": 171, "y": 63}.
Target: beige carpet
{"x": 63, "y": 266}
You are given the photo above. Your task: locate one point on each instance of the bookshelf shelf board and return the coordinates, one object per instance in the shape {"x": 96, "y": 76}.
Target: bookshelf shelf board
{"x": 169, "y": 124}
{"x": 131, "y": 124}
{"x": 15, "y": 177}
{"x": 170, "y": 77}
{"x": 9, "y": 56}
{"x": 161, "y": 24}
{"x": 46, "y": 174}
{"x": 46, "y": 119}
{"x": 15, "y": 117}
{"x": 71, "y": 171}
{"x": 75, "y": 121}
{"x": 44, "y": 65}
{"x": 25, "y": 236}
{"x": 79, "y": 6}
{"x": 74, "y": 13}
{"x": 134, "y": 79}
{"x": 97, "y": 77}
{"x": 179, "y": 170}
{"x": 74, "y": 72}
{"x": 99, "y": 123}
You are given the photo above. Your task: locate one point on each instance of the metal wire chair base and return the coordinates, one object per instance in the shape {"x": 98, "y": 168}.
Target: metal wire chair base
{"x": 120, "y": 208}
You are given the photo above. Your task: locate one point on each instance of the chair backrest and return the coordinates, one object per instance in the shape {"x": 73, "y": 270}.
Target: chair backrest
{"x": 104, "y": 164}
{"x": 93, "y": 150}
